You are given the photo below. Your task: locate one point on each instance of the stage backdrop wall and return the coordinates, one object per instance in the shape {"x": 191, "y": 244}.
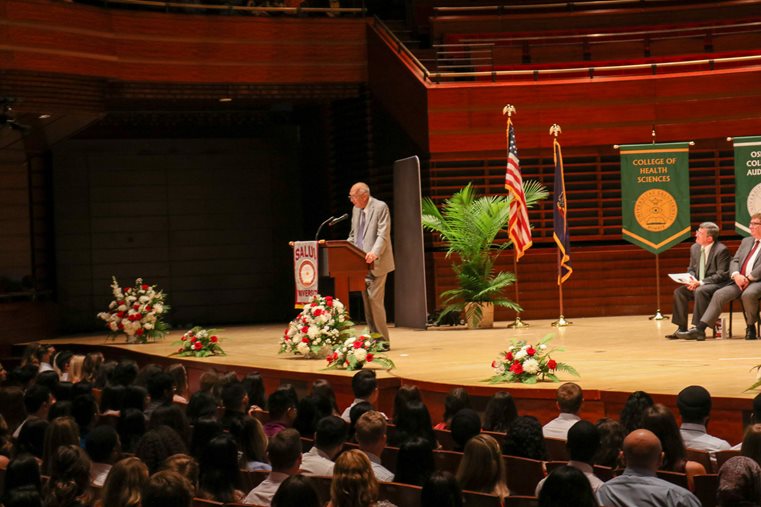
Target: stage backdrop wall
{"x": 207, "y": 219}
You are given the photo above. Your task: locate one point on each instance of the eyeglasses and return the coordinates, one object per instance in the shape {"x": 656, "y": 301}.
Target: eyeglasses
{"x": 755, "y": 224}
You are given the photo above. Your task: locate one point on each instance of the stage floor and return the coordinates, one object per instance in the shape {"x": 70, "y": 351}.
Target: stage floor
{"x": 610, "y": 353}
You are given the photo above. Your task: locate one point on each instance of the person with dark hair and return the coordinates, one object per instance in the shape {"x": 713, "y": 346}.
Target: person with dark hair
{"x": 219, "y": 471}
{"x": 105, "y": 375}
{"x": 25, "y": 496}
{"x": 329, "y": 439}
{"x": 60, "y": 431}
{"x": 500, "y": 412}
{"x": 131, "y": 428}
{"x": 582, "y": 444}
{"x": 103, "y": 447}
{"x": 414, "y": 421}
{"x": 415, "y": 462}
{"x": 235, "y": 401}
{"x": 14, "y": 413}
{"x": 638, "y": 485}
{"x": 253, "y": 383}
{"x": 204, "y": 430}
{"x": 166, "y": 489}
{"x": 185, "y": 465}
{"x": 32, "y": 438}
{"x": 173, "y": 416}
{"x": 739, "y": 483}
{"x": 37, "y": 402}
{"x": 23, "y": 470}
{"x": 611, "y": 443}
{"x": 354, "y": 414}
{"x": 161, "y": 390}
{"x": 284, "y": 453}
{"x": 157, "y": 445}
{"x": 201, "y": 404}
{"x": 47, "y": 378}
{"x": 694, "y": 404}
{"x": 567, "y": 486}
{"x": 125, "y": 373}
{"x": 755, "y": 418}
{"x": 634, "y": 410}
{"x": 325, "y": 398}
{"x": 69, "y": 483}
{"x": 306, "y": 416}
{"x": 112, "y": 399}
{"x": 365, "y": 388}
{"x": 135, "y": 397}
{"x": 296, "y": 490}
{"x": 282, "y": 410}
{"x": 84, "y": 410}
{"x": 180, "y": 382}
{"x": 207, "y": 381}
{"x": 44, "y": 357}
{"x": 370, "y": 432}
{"x": 524, "y": 439}
{"x": 441, "y": 490}
{"x": 64, "y": 391}
{"x": 465, "y": 425}
{"x": 568, "y": 401}
{"x": 63, "y": 365}
{"x": 145, "y": 373}
{"x": 91, "y": 367}
{"x": 404, "y": 395}
{"x": 751, "y": 443}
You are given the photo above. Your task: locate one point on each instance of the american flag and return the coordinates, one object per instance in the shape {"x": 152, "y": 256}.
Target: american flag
{"x": 519, "y": 228}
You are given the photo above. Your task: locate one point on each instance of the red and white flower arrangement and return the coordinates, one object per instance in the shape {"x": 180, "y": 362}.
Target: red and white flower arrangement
{"x": 528, "y": 364}
{"x": 321, "y": 325}
{"x": 136, "y": 312}
{"x": 357, "y": 351}
{"x": 200, "y": 342}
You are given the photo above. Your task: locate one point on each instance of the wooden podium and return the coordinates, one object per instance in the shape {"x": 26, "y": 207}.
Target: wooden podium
{"x": 345, "y": 263}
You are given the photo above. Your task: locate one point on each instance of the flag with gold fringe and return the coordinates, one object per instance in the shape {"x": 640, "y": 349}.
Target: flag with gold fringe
{"x": 518, "y": 228}
{"x": 560, "y": 210}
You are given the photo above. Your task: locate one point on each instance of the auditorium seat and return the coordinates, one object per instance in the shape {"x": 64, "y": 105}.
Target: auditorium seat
{"x": 477, "y": 499}
{"x": 552, "y": 465}
{"x": 705, "y": 488}
{"x": 674, "y": 478}
{"x": 704, "y": 458}
{"x": 556, "y": 449}
{"x": 200, "y": 502}
{"x": 523, "y": 474}
{"x": 447, "y": 461}
{"x": 389, "y": 457}
{"x": 521, "y": 501}
{"x": 252, "y": 478}
{"x": 444, "y": 437}
{"x": 605, "y": 473}
{"x": 723, "y": 456}
{"x": 400, "y": 494}
{"x": 322, "y": 484}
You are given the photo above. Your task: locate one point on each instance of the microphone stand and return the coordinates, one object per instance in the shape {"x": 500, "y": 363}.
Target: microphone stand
{"x": 317, "y": 236}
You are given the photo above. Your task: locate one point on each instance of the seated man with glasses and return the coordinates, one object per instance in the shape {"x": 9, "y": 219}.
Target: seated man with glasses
{"x": 745, "y": 272}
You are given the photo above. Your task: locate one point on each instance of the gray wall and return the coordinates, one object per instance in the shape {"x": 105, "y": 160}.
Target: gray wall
{"x": 208, "y": 220}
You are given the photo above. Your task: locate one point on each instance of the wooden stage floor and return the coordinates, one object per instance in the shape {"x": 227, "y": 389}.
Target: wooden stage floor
{"x": 618, "y": 354}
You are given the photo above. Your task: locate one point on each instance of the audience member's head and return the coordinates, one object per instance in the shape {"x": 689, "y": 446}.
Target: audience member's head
{"x": 205, "y": 429}
{"x": 404, "y": 395}
{"x": 755, "y": 417}
{"x": 146, "y": 373}
{"x": 112, "y": 398}
{"x": 662, "y": 423}
{"x": 694, "y": 404}
{"x": 160, "y": 387}
{"x": 739, "y": 483}
{"x": 207, "y": 381}
{"x": 24, "y": 496}
{"x": 105, "y": 374}
{"x": 415, "y": 462}
{"x": 179, "y": 379}
{"x": 167, "y": 489}
{"x": 642, "y": 449}
{"x": 284, "y": 452}
{"x": 634, "y": 410}
{"x": 91, "y": 367}
{"x": 465, "y": 425}
{"x": 47, "y": 378}
{"x": 131, "y": 428}
{"x": 60, "y": 431}
{"x": 370, "y": 432}
{"x": 135, "y": 397}
{"x": 173, "y": 416}
{"x": 414, "y": 421}
{"x": 306, "y": 416}
{"x": 569, "y": 398}
{"x": 296, "y": 490}
{"x": 500, "y": 412}
{"x": 583, "y": 441}
{"x": 611, "y": 443}
{"x": 456, "y": 400}
{"x": 37, "y": 401}
{"x": 482, "y": 467}
{"x": 282, "y": 408}
{"x": 157, "y": 445}
{"x": 524, "y": 438}
{"x": 22, "y": 470}
{"x": 324, "y": 397}
{"x": 201, "y": 404}
{"x": 69, "y": 478}
{"x": 251, "y": 438}
{"x": 12, "y": 401}
{"x": 219, "y": 469}
{"x": 125, "y": 373}
{"x": 365, "y": 386}
{"x": 751, "y": 444}
{"x": 355, "y": 413}
{"x": 31, "y": 439}
{"x": 441, "y": 490}
{"x": 102, "y": 444}
{"x": 84, "y": 409}
{"x": 354, "y": 483}
{"x": 253, "y": 383}
{"x": 330, "y": 435}
{"x": 235, "y": 398}
{"x": 184, "y": 465}
{"x": 124, "y": 483}
{"x": 567, "y": 487}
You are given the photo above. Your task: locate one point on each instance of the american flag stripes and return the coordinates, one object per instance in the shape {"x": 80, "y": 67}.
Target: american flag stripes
{"x": 519, "y": 228}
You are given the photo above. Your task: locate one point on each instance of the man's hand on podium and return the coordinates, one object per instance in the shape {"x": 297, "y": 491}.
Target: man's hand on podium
{"x": 370, "y": 257}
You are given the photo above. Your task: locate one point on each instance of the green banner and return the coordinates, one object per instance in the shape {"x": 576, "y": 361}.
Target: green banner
{"x": 655, "y": 195}
{"x": 747, "y": 181}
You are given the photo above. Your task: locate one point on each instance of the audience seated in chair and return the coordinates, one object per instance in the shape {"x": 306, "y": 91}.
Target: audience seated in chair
{"x": 371, "y": 437}
{"x": 297, "y": 490}
{"x": 414, "y": 463}
{"x": 567, "y": 486}
{"x": 354, "y": 483}
{"x": 456, "y": 400}
{"x": 441, "y": 490}
{"x": 482, "y": 468}
{"x": 633, "y": 411}
{"x": 103, "y": 448}
{"x": 328, "y": 442}
{"x": 365, "y": 388}
{"x": 524, "y": 439}
{"x": 166, "y": 489}
{"x": 694, "y": 404}
{"x": 500, "y": 412}
{"x": 583, "y": 442}
{"x": 283, "y": 412}
{"x": 465, "y": 425}
{"x": 568, "y": 401}
{"x": 284, "y": 453}
{"x": 124, "y": 484}
{"x": 739, "y": 483}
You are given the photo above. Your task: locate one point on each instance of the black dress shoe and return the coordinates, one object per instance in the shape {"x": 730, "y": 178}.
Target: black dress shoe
{"x": 692, "y": 334}
{"x": 750, "y": 333}
{"x": 673, "y": 336}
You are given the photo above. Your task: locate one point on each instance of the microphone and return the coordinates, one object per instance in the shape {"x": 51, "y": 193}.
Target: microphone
{"x": 334, "y": 221}
{"x": 317, "y": 236}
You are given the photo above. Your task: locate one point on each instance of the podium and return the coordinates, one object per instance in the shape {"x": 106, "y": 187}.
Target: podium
{"x": 345, "y": 263}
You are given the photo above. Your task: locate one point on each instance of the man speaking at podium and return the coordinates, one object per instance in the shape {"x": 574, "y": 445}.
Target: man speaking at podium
{"x": 371, "y": 233}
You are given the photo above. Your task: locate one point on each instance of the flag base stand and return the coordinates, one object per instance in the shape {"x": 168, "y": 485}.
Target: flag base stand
{"x": 658, "y": 315}
{"x": 561, "y": 322}
{"x": 517, "y": 324}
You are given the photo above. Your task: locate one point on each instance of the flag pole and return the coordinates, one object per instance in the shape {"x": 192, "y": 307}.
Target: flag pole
{"x": 561, "y": 322}
{"x": 658, "y": 315}
{"x": 509, "y": 109}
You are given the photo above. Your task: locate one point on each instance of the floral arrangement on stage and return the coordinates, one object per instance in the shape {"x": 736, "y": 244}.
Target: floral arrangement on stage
{"x": 528, "y": 364}
{"x": 319, "y": 328}
{"x": 136, "y": 312}
{"x": 357, "y": 351}
{"x": 200, "y": 342}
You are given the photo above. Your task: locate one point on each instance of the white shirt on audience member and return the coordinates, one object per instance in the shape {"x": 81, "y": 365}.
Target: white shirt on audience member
{"x": 382, "y": 473}
{"x": 316, "y": 462}
{"x": 558, "y": 427}
{"x": 263, "y": 493}
{"x": 98, "y": 473}
{"x": 696, "y": 437}
{"x": 586, "y": 469}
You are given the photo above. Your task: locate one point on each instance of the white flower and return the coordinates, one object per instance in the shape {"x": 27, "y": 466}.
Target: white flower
{"x": 112, "y": 305}
{"x": 131, "y": 299}
{"x": 144, "y": 299}
{"x": 148, "y": 326}
{"x": 104, "y": 316}
{"x": 360, "y": 354}
{"x": 113, "y": 326}
{"x": 317, "y": 340}
{"x": 531, "y": 365}
{"x": 542, "y": 346}
{"x": 303, "y": 348}
{"x": 367, "y": 343}
{"x": 525, "y": 347}
{"x": 338, "y": 305}
{"x": 292, "y": 331}
{"x": 313, "y": 332}
{"x": 158, "y": 308}
{"x": 122, "y": 308}
{"x": 520, "y": 354}
{"x": 349, "y": 342}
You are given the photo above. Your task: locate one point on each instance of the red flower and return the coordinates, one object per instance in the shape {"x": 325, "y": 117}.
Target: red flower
{"x": 314, "y": 304}
{"x": 140, "y": 332}
{"x": 193, "y": 339}
{"x": 369, "y": 357}
{"x": 530, "y": 351}
{"x": 179, "y": 350}
{"x": 148, "y": 308}
{"x": 136, "y": 306}
{"x": 358, "y": 344}
{"x": 305, "y": 339}
{"x": 516, "y": 368}
{"x": 214, "y": 339}
{"x": 184, "y": 338}
{"x": 317, "y": 312}
{"x": 197, "y": 346}
{"x": 285, "y": 332}
{"x": 128, "y": 289}
{"x": 144, "y": 286}
{"x": 120, "y": 325}
{"x": 509, "y": 356}
{"x": 120, "y": 315}
{"x": 329, "y": 301}
{"x": 551, "y": 364}
{"x": 494, "y": 364}
{"x": 305, "y": 329}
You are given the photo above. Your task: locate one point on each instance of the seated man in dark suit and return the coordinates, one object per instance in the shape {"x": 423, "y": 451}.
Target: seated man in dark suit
{"x": 709, "y": 265}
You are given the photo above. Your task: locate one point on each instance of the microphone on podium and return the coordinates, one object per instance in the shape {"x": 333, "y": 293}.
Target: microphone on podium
{"x": 317, "y": 236}
{"x": 334, "y": 221}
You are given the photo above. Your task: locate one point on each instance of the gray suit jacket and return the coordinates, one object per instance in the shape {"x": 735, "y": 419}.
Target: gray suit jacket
{"x": 377, "y": 237}
{"x": 717, "y": 264}
{"x": 737, "y": 261}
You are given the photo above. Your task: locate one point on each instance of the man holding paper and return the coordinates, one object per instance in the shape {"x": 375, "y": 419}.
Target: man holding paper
{"x": 709, "y": 270}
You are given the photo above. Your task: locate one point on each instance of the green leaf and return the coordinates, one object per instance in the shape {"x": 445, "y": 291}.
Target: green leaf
{"x": 567, "y": 368}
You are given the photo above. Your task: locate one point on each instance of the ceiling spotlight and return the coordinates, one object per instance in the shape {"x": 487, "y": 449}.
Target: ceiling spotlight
{"x": 225, "y": 99}
{"x": 43, "y": 116}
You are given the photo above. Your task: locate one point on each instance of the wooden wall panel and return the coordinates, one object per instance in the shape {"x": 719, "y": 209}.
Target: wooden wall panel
{"x": 15, "y": 231}
{"x": 46, "y": 36}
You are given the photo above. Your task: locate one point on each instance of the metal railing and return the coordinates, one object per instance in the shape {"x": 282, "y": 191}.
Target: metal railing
{"x": 231, "y": 7}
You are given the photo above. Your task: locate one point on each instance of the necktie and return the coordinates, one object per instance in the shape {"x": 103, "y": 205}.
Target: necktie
{"x": 747, "y": 259}
{"x": 361, "y": 230}
{"x": 702, "y": 270}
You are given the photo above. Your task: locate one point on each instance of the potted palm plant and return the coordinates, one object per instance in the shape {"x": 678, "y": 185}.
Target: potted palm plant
{"x": 469, "y": 225}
